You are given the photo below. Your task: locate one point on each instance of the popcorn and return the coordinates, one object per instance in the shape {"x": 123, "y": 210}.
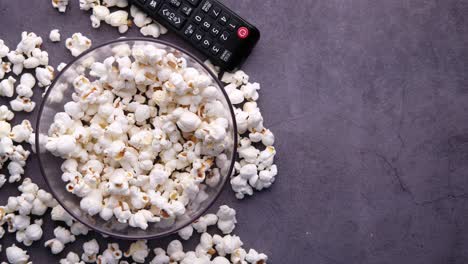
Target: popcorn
{"x": 88, "y": 4}
{"x": 16, "y": 255}
{"x": 27, "y": 83}
{"x": 21, "y": 103}
{"x": 7, "y": 87}
{"x": 220, "y": 260}
{"x": 99, "y": 14}
{"x": 17, "y": 59}
{"x": 90, "y": 251}
{"x": 59, "y": 214}
{"x": 3, "y": 49}
{"x": 71, "y": 258}
{"x": 117, "y": 3}
{"x": 60, "y": 5}
{"x": 150, "y": 30}
{"x": 77, "y": 44}
{"x": 226, "y": 219}
{"x": 254, "y": 257}
{"x": 186, "y": 232}
{"x": 5, "y": 113}
{"x": 204, "y": 222}
{"x": 138, "y": 251}
{"x": 54, "y": 35}
{"x": 160, "y": 257}
{"x": 29, "y": 41}
{"x": 5, "y": 67}
{"x": 32, "y": 233}
{"x": 21, "y": 132}
{"x": 78, "y": 229}
{"x": 175, "y": 250}
{"x": 44, "y": 75}
{"x": 157, "y": 160}
{"x": 111, "y": 255}
{"x": 140, "y": 18}
{"x": 62, "y": 237}
{"x": 118, "y": 19}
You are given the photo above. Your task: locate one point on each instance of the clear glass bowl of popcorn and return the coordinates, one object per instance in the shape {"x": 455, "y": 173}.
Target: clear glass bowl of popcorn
{"x": 136, "y": 138}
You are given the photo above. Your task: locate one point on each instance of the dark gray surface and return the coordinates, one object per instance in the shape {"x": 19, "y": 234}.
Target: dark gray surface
{"x": 368, "y": 101}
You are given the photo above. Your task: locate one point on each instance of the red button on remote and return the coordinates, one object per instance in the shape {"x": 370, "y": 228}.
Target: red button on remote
{"x": 243, "y": 32}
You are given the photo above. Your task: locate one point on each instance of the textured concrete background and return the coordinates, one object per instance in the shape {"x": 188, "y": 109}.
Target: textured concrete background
{"x": 368, "y": 100}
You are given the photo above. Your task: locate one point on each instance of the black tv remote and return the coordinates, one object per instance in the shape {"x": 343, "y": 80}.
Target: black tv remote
{"x": 211, "y": 27}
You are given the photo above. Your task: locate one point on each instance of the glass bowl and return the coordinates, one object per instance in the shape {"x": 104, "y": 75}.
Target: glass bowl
{"x": 60, "y": 92}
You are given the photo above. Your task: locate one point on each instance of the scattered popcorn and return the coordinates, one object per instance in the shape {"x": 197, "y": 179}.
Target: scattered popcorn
{"x": 72, "y": 258}
{"x": 111, "y": 255}
{"x": 7, "y": 87}
{"x": 5, "y": 67}
{"x": 44, "y": 75}
{"x": 63, "y": 236}
{"x": 60, "y": 5}
{"x": 21, "y": 103}
{"x": 3, "y": 49}
{"x": 118, "y": 19}
{"x": 5, "y": 113}
{"x": 77, "y": 44}
{"x": 202, "y": 223}
{"x": 186, "y": 232}
{"x": 100, "y": 13}
{"x": 138, "y": 251}
{"x": 140, "y": 18}
{"x": 16, "y": 255}
{"x": 150, "y": 30}
{"x": 54, "y": 35}
{"x": 226, "y": 219}
{"x": 90, "y": 251}
{"x": 17, "y": 59}
{"x": 27, "y": 83}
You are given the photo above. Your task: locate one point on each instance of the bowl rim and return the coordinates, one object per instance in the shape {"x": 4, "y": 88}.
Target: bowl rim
{"x": 234, "y": 124}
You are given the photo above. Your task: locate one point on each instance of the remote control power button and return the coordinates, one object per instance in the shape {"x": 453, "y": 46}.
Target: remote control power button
{"x": 243, "y": 32}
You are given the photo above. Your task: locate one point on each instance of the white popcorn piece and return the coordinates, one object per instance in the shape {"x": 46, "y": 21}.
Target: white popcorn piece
{"x": 7, "y": 87}
{"x": 186, "y": 232}
{"x": 254, "y": 257}
{"x": 150, "y": 30}
{"x": 78, "y": 229}
{"x": 138, "y": 251}
{"x": 5, "y": 67}
{"x": 237, "y": 78}
{"x": 63, "y": 236}
{"x": 31, "y": 233}
{"x": 175, "y": 250}
{"x": 77, "y": 44}
{"x": 29, "y": 41}
{"x": 16, "y": 255}
{"x": 5, "y": 113}
{"x": 226, "y": 219}
{"x": 117, "y": 3}
{"x": 21, "y": 103}
{"x": 111, "y": 255}
{"x": 27, "y": 82}
{"x": 54, "y": 35}
{"x": 90, "y": 251}
{"x": 220, "y": 260}
{"x": 44, "y": 75}
{"x": 201, "y": 225}
{"x": 60, "y": 5}
{"x": 250, "y": 91}
{"x": 236, "y": 96}
{"x": 21, "y": 132}
{"x": 17, "y": 59}
{"x": 59, "y": 214}
{"x": 140, "y": 18}
{"x": 3, "y": 49}
{"x": 71, "y": 258}
{"x": 160, "y": 257}
{"x": 100, "y": 13}
{"x": 118, "y": 19}
{"x": 88, "y": 4}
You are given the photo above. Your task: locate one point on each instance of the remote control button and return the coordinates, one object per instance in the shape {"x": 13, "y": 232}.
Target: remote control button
{"x": 223, "y": 19}
{"x": 186, "y": 9}
{"x": 243, "y": 32}
{"x": 232, "y": 25}
{"x": 198, "y": 18}
{"x": 198, "y": 36}
{"x": 226, "y": 56}
{"x": 215, "y": 49}
{"x": 207, "y": 6}
{"x": 175, "y": 3}
{"x": 215, "y": 11}
{"x": 172, "y": 17}
{"x": 225, "y": 36}
{"x": 194, "y": 2}
{"x": 206, "y": 25}
{"x": 189, "y": 30}
{"x": 153, "y": 4}
{"x": 215, "y": 30}
{"x": 206, "y": 43}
